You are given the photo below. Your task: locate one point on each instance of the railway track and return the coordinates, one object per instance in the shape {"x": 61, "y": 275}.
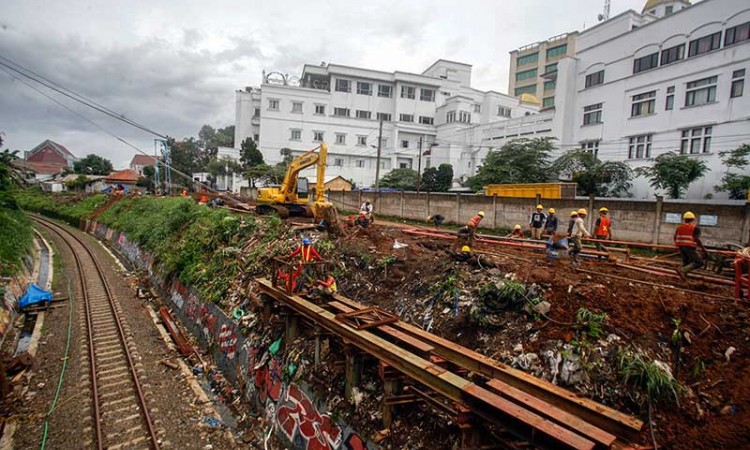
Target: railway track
{"x": 120, "y": 415}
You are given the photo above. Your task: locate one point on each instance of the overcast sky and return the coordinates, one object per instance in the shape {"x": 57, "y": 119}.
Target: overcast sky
{"x": 174, "y": 65}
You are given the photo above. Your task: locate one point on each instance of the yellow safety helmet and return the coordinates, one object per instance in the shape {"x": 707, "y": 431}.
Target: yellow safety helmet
{"x": 480, "y": 213}
{"x": 539, "y": 207}
{"x": 517, "y": 227}
{"x": 582, "y": 211}
{"x": 688, "y": 215}
{"x": 603, "y": 209}
{"x": 552, "y": 210}
{"x": 574, "y": 213}
{"x": 466, "y": 249}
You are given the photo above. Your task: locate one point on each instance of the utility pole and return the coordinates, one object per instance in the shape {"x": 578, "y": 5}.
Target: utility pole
{"x": 419, "y": 166}
{"x": 377, "y": 161}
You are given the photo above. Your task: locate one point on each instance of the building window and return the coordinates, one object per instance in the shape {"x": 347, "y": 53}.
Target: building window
{"x": 696, "y": 140}
{"x": 338, "y": 162}
{"x": 318, "y": 136}
{"x": 341, "y": 138}
{"x": 503, "y": 111}
{"x": 704, "y": 44}
{"x": 360, "y": 163}
{"x": 557, "y": 51}
{"x": 669, "y": 104}
{"x": 406, "y": 117}
{"x": 426, "y": 120}
{"x": 385, "y": 117}
{"x": 362, "y": 141}
{"x": 382, "y": 164}
{"x": 343, "y": 85}
{"x": 256, "y": 138}
{"x": 477, "y": 108}
{"x": 526, "y": 74}
{"x": 297, "y": 107}
{"x": 646, "y": 62}
{"x": 594, "y": 78}
{"x": 404, "y": 165}
{"x": 738, "y": 83}
{"x": 296, "y": 135}
{"x": 384, "y": 142}
{"x": 643, "y": 104}
{"x": 550, "y": 68}
{"x": 320, "y": 110}
{"x": 548, "y": 102}
{"x": 527, "y": 59}
{"x": 464, "y": 117}
{"x": 256, "y": 113}
{"x": 404, "y": 144}
{"x": 672, "y": 54}
{"x": 273, "y": 104}
{"x": 549, "y": 86}
{"x": 525, "y": 90}
{"x": 427, "y": 95}
{"x": 640, "y": 147}
{"x": 591, "y": 147}
{"x": 363, "y": 114}
{"x": 341, "y": 112}
{"x": 737, "y": 34}
{"x": 450, "y": 116}
{"x": 364, "y": 88}
{"x": 701, "y": 92}
{"x": 384, "y": 90}
{"x": 408, "y": 92}
{"x": 668, "y": 10}
{"x": 592, "y": 114}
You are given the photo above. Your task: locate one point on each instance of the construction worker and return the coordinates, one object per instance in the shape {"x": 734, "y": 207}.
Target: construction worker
{"x": 603, "y": 229}
{"x": 306, "y": 252}
{"x": 362, "y": 221}
{"x": 536, "y": 222}
{"x": 516, "y": 233}
{"x": 464, "y": 255}
{"x": 291, "y": 279}
{"x": 576, "y": 234}
{"x": 687, "y": 237}
{"x": 184, "y": 193}
{"x": 367, "y": 209}
{"x": 436, "y": 219}
{"x": 550, "y": 226}
{"x": 204, "y": 197}
{"x": 573, "y": 215}
{"x": 328, "y": 286}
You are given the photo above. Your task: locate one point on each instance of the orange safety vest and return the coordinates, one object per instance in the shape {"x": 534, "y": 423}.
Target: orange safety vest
{"x": 474, "y": 221}
{"x": 308, "y": 253}
{"x": 684, "y": 236}
{"x": 603, "y": 229}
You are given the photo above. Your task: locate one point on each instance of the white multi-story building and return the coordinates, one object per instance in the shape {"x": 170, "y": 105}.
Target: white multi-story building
{"x": 343, "y": 106}
{"x": 673, "y": 78}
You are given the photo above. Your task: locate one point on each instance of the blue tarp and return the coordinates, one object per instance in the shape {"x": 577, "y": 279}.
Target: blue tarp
{"x": 34, "y": 296}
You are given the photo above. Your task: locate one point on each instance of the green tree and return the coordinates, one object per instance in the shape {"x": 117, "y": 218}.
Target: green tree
{"x": 737, "y": 184}
{"x": 93, "y": 165}
{"x": 673, "y": 172}
{"x": 208, "y": 146}
{"x": 403, "y": 179}
{"x": 184, "y": 155}
{"x": 437, "y": 179}
{"x": 593, "y": 176}
{"x": 78, "y": 183}
{"x": 225, "y": 136}
{"x": 148, "y": 180}
{"x": 521, "y": 160}
{"x": 250, "y": 156}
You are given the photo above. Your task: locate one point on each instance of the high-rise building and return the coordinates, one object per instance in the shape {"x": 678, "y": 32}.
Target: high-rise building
{"x": 532, "y": 67}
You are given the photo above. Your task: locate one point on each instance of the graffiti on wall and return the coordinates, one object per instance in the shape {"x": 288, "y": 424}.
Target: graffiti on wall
{"x": 295, "y": 416}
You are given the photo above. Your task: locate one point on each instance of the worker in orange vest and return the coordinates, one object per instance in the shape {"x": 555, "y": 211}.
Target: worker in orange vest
{"x": 184, "y": 193}
{"x": 306, "y": 252}
{"x": 204, "y": 197}
{"x": 328, "y": 286}
{"x": 466, "y": 234}
{"x": 603, "y": 229}
{"x": 687, "y": 238}
{"x": 290, "y": 279}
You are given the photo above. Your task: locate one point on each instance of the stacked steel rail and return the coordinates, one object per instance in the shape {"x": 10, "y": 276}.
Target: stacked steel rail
{"x": 121, "y": 416}
{"x": 444, "y": 374}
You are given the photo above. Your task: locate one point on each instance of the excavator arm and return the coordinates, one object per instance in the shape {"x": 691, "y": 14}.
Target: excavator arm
{"x": 289, "y": 185}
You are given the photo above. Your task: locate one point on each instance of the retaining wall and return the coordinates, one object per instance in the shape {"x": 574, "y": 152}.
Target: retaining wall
{"x": 650, "y": 221}
{"x": 299, "y": 419}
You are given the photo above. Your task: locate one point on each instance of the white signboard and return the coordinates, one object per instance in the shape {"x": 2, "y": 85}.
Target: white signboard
{"x": 673, "y": 218}
{"x": 710, "y": 221}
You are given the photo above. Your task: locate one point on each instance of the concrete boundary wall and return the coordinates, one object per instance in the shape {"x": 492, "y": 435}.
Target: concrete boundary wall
{"x": 299, "y": 419}
{"x": 650, "y": 221}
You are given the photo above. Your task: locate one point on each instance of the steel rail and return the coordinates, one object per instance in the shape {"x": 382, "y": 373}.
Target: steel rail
{"x": 66, "y": 235}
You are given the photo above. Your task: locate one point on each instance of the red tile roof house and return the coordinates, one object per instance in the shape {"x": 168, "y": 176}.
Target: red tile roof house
{"x": 125, "y": 179}
{"x": 141, "y": 161}
{"x": 48, "y": 159}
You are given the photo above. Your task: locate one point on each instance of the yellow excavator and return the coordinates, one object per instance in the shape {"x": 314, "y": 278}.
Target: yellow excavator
{"x": 291, "y": 198}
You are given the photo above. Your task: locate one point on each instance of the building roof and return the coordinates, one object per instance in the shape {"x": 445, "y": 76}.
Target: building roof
{"x": 59, "y": 148}
{"x": 123, "y": 176}
{"x": 328, "y": 179}
{"x": 143, "y": 160}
